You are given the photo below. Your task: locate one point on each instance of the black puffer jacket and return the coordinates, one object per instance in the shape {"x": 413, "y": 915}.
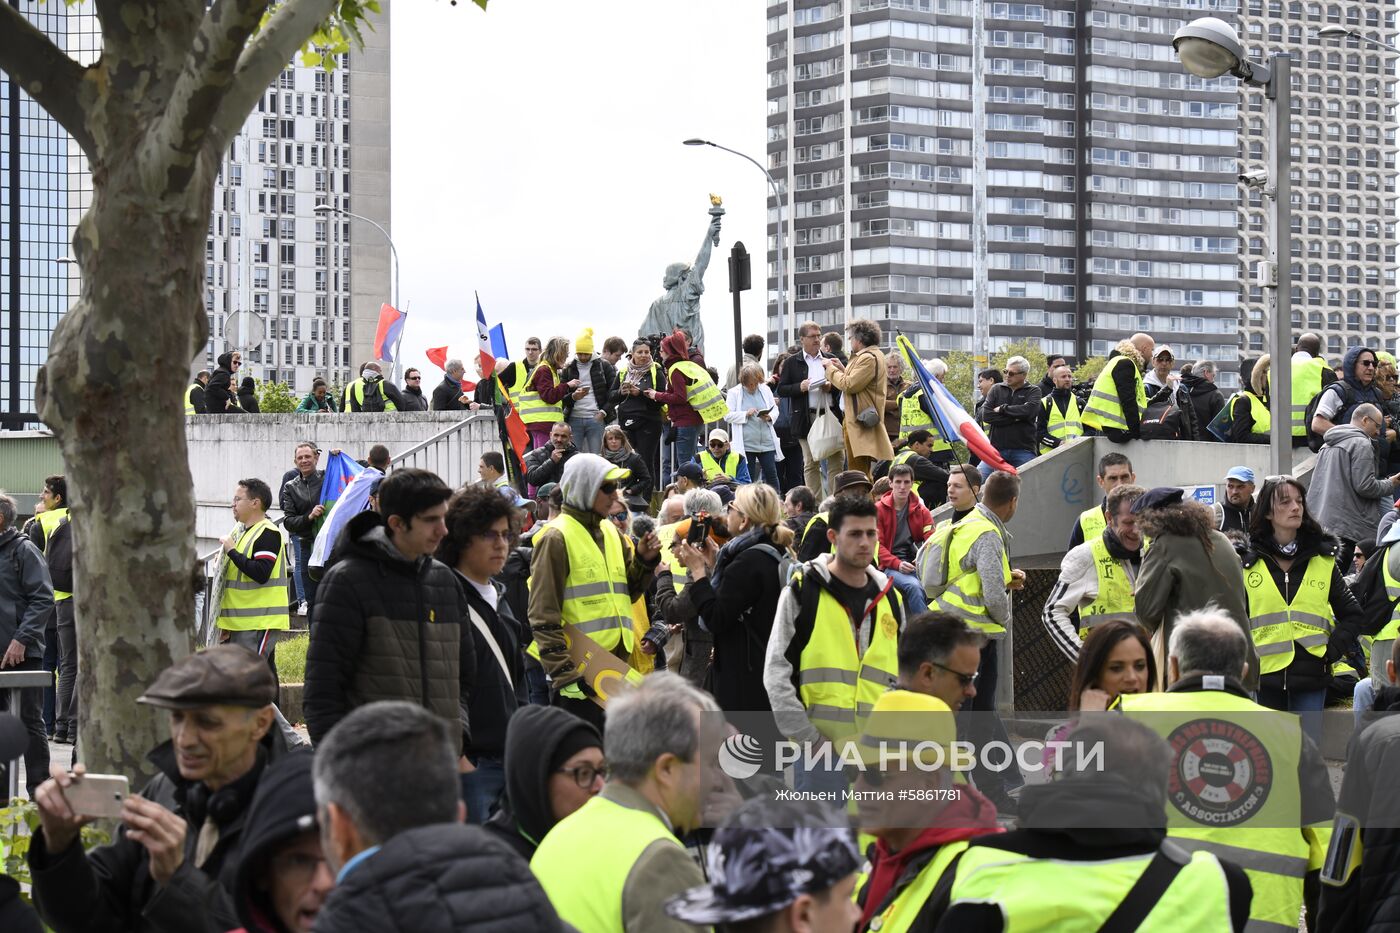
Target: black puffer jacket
{"x": 299, "y": 496}
{"x": 1369, "y": 898}
{"x": 283, "y": 808}
{"x": 110, "y": 889}
{"x": 439, "y": 879}
{"x": 387, "y": 628}
{"x": 1206, "y": 402}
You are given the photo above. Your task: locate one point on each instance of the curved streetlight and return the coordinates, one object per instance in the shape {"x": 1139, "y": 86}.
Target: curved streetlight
{"x": 782, "y": 276}
{"x": 1341, "y": 32}
{"x": 331, "y": 209}
{"x": 1209, "y": 48}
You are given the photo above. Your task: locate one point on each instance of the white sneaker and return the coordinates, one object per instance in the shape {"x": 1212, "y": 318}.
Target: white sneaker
{"x": 301, "y": 609}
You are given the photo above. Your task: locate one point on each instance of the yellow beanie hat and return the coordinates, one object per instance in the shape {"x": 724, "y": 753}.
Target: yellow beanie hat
{"x": 584, "y": 343}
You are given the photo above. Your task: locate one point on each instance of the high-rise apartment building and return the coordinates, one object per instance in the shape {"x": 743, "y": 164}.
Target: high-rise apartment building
{"x": 34, "y": 232}
{"x": 1051, "y": 163}
{"x": 1344, "y": 174}
{"x": 316, "y": 137}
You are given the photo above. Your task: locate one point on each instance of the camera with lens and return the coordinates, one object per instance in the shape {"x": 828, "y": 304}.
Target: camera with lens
{"x": 699, "y": 529}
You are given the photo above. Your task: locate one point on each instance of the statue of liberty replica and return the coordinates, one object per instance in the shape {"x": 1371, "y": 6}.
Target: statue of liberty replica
{"x": 680, "y": 305}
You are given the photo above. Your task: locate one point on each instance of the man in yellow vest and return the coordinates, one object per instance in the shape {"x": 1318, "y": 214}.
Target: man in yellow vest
{"x": 1310, "y": 374}
{"x": 1118, "y": 399}
{"x": 1270, "y": 809}
{"x": 1096, "y": 578}
{"x": 584, "y": 573}
{"x": 1059, "y": 411}
{"x": 253, "y": 592}
{"x": 930, "y": 479}
{"x": 1092, "y": 852}
{"x": 834, "y": 646}
{"x": 910, "y": 801}
{"x": 966, "y": 573}
{"x": 194, "y": 394}
{"x": 611, "y": 865}
{"x": 779, "y": 867}
{"x": 368, "y": 393}
{"x": 61, "y": 633}
{"x": 719, "y": 460}
{"x": 1114, "y": 470}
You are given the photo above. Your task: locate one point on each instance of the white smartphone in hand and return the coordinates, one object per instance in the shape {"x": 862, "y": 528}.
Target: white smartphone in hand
{"x": 98, "y": 795}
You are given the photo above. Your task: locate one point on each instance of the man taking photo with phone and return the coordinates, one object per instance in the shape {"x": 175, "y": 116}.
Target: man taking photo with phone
{"x": 162, "y": 871}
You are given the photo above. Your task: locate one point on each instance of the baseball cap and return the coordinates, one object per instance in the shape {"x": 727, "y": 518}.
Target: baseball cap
{"x": 1163, "y": 348}
{"x": 719, "y": 434}
{"x": 226, "y": 675}
{"x": 1242, "y": 474}
{"x": 691, "y": 471}
{"x": 544, "y": 491}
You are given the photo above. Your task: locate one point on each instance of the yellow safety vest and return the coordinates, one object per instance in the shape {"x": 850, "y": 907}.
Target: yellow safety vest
{"x": 1062, "y": 426}
{"x": 1092, "y": 522}
{"x": 831, "y": 546}
{"x": 1104, "y": 409}
{"x": 1115, "y": 596}
{"x": 962, "y": 594}
{"x": 534, "y": 409}
{"x": 904, "y": 909}
{"x": 1276, "y": 626}
{"x": 1256, "y": 812}
{"x": 1390, "y": 573}
{"x": 189, "y": 398}
{"x": 912, "y": 416}
{"x": 904, "y": 456}
{"x": 518, "y": 383}
{"x": 584, "y": 862}
{"x": 1078, "y": 896}
{"x": 714, "y": 468}
{"x": 248, "y": 605}
{"x": 700, "y": 391}
{"x": 680, "y": 573}
{"x": 1307, "y": 382}
{"x": 1257, "y": 409}
{"x": 356, "y": 390}
{"x": 835, "y": 683}
{"x": 49, "y": 521}
{"x": 595, "y": 591}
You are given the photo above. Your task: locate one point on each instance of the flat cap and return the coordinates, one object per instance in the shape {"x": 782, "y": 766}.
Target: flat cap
{"x": 227, "y": 675}
{"x": 1158, "y": 497}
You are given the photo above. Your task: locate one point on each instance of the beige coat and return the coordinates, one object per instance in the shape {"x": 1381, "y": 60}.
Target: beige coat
{"x": 864, "y": 383}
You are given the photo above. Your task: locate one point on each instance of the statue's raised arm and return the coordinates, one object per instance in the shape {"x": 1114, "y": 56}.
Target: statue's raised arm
{"x": 684, "y": 284}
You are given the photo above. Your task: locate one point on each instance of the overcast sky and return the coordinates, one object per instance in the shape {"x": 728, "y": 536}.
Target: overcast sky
{"x": 537, "y": 160}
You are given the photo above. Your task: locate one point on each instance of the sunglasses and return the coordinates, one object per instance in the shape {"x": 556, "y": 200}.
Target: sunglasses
{"x": 967, "y": 680}
{"x": 716, "y": 443}
{"x": 1366, "y": 362}
{"x": 619, "y": 517}
{"x": 608, "y": 488}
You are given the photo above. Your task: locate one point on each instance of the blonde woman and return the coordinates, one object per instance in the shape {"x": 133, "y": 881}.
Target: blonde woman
{"x": 752, "y": 411}
{"x": 541, "y": 405}
{"x": 735, "y": 589}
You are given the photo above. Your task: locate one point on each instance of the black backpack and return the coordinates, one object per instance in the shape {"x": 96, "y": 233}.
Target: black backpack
{"x": 1164, "y": 421}
{"x": 1348, "y": 401}
{"x": 58, "y": 554}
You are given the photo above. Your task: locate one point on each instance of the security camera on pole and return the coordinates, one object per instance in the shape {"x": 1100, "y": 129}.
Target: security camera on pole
{"x": 1208, "y": 48}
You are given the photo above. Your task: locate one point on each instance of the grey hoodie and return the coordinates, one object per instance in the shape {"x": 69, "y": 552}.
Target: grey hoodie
{"x": 1345, "y": 495}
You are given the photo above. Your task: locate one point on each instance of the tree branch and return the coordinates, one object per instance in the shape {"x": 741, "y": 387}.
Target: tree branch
{"x": 263, "y": 60}
{"x": 45, "y": 73}
{"x": 172, "y": 146}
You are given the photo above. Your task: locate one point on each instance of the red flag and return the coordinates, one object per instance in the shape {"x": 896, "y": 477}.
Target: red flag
{"x": 438, "y": 357}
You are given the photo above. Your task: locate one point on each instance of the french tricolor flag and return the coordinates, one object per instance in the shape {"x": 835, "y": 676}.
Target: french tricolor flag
{"x": 951, "y": 419}
{"x": 388, "y": 333}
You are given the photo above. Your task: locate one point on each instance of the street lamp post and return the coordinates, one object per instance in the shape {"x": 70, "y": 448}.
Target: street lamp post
{"x": 1341, "y": 32}
{"x": 1208, "y": 48}
{"x": 782, "y": 265}
{"x": 328, "y": 208}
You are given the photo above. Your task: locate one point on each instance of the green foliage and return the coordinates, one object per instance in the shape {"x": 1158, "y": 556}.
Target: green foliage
{"x": 18, "y": 824}
{"x": 291, "y": 659}
{"x": 276, "y": 398}
{"x": 1030, "y": 349}
{"x": 1089, "y": 370}
{"x": 959, "y": 378}
{"x": 340, "y": 30}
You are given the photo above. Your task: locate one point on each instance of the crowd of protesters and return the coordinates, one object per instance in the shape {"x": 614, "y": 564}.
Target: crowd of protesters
{"x": 520, "y": 694}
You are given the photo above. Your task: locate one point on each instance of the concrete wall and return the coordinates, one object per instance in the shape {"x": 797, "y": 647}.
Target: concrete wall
{"x": 224, "y": 450}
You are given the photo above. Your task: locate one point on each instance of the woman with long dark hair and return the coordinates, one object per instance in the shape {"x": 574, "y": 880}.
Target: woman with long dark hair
{"x": 639, "y": 415}
{"x": 1116, "y": 659}
{"x": 618, "y": 451}
{"x": 1302, "y": 615}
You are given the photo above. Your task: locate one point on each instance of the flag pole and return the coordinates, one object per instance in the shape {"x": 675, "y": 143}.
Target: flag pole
{"x": 927, "y": 402}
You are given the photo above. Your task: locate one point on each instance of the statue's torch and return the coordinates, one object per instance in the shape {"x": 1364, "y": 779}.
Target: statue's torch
{"x": 716, "y": 211}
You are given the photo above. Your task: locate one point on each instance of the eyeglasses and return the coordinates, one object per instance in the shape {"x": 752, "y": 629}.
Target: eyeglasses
{"x": 967, "y": 680}
{"x": 585, "y": 775}
{"x": 1015, "y": 372}
{"x": 608, "y": 488}
{"x": 493, "y": 536}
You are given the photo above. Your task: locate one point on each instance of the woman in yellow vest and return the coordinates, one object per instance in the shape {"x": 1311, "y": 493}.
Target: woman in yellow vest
{"x": 691, "y": 397}
{"x": 541, "y": 405}
{"x": 1302, "y": 615}
{"x": 1249, "y": 409}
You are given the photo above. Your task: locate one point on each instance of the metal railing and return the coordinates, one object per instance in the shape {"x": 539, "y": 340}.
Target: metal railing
{"x": 444, "y": 454}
